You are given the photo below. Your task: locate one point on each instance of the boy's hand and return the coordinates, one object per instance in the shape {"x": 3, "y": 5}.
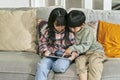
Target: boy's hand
{"x": 47, "y": 53}
{"x": 73, "y": 56}
{"x": 67, "y": 52}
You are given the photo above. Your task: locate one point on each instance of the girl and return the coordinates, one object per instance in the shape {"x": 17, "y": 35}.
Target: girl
{"x": 53, "y": 41}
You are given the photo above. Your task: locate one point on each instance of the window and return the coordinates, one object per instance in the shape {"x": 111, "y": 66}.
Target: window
{"x": 90, "y": 4}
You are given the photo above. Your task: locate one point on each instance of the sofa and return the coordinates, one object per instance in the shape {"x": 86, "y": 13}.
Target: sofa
{"x": 19, "y": 44}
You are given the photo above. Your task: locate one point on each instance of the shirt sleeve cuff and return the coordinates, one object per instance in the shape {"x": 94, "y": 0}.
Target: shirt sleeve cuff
{"x": 72, "y": 48}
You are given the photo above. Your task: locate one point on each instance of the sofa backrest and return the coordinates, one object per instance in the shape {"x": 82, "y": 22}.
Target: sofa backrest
{"x": 43, "y": 12}
{"x": 105, "y": 15}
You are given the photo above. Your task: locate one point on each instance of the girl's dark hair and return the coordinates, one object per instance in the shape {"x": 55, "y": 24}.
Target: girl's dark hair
{"x": 75, "y": 18}
{"x": 60, "y": 16}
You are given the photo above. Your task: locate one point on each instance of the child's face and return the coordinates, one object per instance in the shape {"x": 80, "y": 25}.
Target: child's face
{"x": 59, "y": 28}
{"x": 76, "y": 29}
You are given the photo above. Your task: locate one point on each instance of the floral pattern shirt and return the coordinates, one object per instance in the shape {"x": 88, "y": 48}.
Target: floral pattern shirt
{"x": 59, "y": 42}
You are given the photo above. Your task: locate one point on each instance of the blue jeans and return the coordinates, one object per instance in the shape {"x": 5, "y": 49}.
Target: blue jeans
{"x": 46, "y": 64}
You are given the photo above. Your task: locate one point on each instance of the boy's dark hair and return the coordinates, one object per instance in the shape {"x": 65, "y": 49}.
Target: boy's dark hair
{"x": 60, "y": 16}
{"x": 75, "y": 18}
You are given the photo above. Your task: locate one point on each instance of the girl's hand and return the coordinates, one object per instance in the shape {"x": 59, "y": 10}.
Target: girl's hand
{"x": 47, "y": 53}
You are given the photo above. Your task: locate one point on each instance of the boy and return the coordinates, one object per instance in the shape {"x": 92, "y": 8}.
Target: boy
{"x": 89, "y": 64}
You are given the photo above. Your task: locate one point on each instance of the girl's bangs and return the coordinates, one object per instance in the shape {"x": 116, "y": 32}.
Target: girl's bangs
{"x": 60, "y": 21}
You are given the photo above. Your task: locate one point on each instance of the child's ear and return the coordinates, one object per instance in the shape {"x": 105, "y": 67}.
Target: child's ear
{"x": 83, "y": 24}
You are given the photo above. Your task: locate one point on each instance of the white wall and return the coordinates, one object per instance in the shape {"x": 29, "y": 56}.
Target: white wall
{"x": 14, "y": 3}
{"x": 22, "y": 3}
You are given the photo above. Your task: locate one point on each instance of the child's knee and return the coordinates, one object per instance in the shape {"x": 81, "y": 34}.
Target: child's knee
{"x": 61, "y": 65}
{"x": 59, "y": 69}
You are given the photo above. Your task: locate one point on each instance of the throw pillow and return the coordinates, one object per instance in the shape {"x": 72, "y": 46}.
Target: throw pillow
{"x": 109, "y": 37}
{"x": 17, "y": 29}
